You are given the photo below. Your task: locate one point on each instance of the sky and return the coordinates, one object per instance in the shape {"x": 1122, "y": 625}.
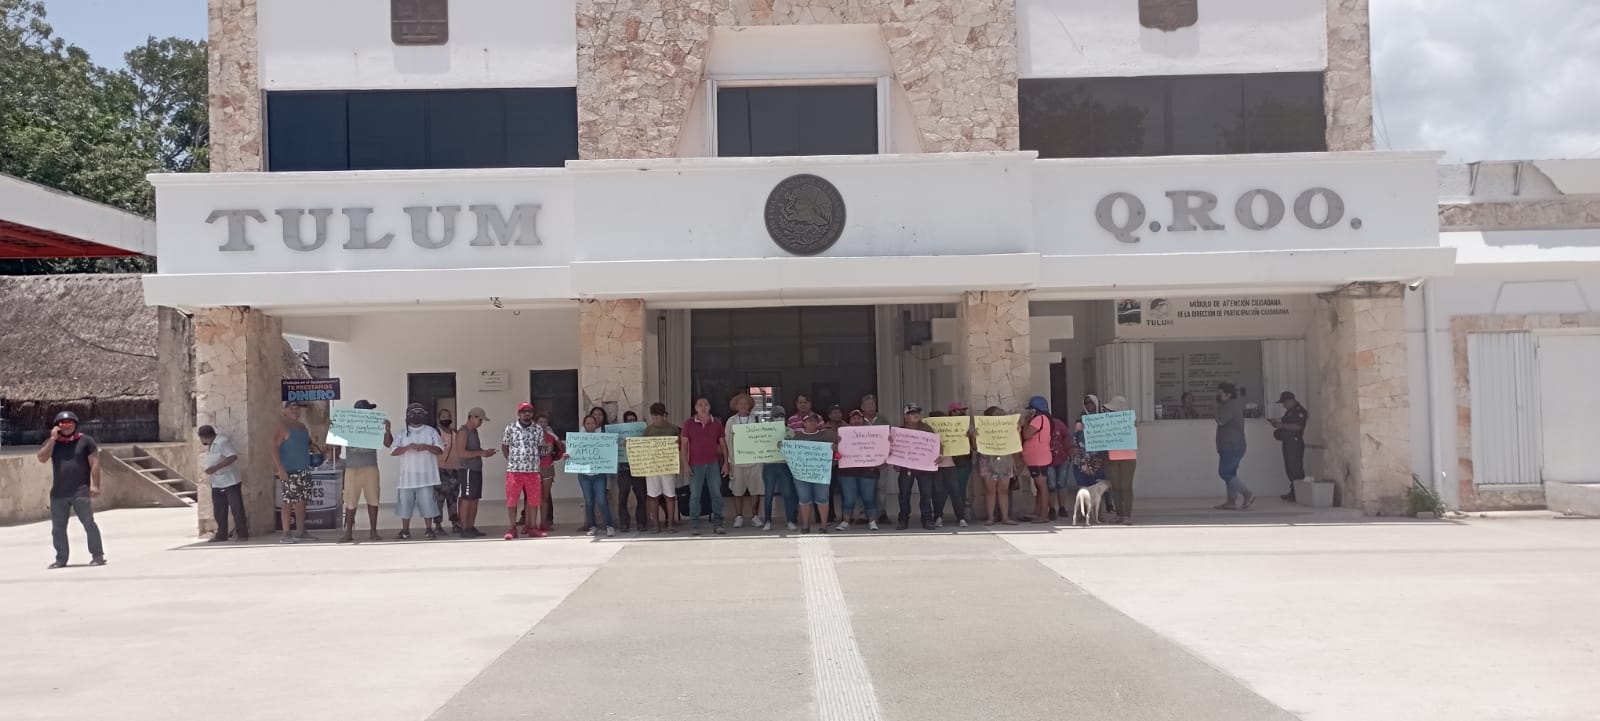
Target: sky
{"x": 1477, "y": 79}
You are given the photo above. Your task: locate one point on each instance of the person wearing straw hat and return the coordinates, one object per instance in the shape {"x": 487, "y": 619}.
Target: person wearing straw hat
{"x": 1120, "y": 466}
{"x": 745, "y": 481}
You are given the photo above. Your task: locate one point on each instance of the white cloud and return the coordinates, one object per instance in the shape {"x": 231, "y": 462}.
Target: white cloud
{"x": 1488, "y": 79}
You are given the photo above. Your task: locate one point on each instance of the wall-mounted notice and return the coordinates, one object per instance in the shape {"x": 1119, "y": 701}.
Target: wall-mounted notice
{"x": 1285, "y": 316}
{"x": 1198, "y": 367}
{"x": 494, "y": 381}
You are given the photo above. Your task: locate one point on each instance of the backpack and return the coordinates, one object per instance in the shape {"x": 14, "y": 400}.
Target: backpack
{"x": 1060, "y": 442}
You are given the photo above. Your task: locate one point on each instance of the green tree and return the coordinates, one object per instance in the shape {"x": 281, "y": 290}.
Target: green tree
{"x": 70, "y": 124}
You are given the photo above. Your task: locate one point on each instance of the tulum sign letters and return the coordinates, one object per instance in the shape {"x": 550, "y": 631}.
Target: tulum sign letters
{"x": 491, "y": 226}
{"x": 1193, "y": 210}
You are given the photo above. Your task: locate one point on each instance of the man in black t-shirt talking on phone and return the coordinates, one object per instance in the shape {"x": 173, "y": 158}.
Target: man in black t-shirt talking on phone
{"x": 75, "y": 462}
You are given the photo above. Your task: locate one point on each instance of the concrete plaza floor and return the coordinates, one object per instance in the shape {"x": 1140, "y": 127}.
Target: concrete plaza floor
{"x": 1192, "y": 615}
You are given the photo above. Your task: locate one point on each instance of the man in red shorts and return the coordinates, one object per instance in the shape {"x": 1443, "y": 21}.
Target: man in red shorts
{"x": 520, "y": 444}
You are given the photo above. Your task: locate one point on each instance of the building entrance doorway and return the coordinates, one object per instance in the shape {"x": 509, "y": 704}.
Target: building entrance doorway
{"x": 827, "y": 352}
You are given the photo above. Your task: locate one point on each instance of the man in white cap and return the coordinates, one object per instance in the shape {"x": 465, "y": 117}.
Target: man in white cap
{"x": 471, "y": 452}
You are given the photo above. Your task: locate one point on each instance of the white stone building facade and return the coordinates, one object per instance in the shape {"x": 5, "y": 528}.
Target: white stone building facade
{"x": 470, "y": 199}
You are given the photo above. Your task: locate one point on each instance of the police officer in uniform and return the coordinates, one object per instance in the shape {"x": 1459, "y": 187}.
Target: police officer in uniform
{"x": 1290, "y": 430}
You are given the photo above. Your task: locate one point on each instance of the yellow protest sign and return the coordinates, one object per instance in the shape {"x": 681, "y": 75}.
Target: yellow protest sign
{"x": 998, "y": 435}
{"x": 952, "y": 432}
{"x": 653, "y": 456}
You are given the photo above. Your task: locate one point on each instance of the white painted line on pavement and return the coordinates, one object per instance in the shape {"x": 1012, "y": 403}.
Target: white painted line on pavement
{"x": 844, "y": 688}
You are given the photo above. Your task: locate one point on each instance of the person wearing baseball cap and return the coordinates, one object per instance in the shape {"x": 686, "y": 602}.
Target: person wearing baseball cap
{"x": 1290, "y": 430}
{"x": 911, "y": 477}
{"x": 521, "y": 443}
{"x": 361, "y": 481}
{"x": 74, "y": 460}
{"x": 471, "y": 454}
{"x": 954, "y": 479}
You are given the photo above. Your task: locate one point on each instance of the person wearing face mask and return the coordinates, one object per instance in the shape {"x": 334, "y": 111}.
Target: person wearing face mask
{"x": 448, "y": 493}
{"x": 1231, "y": 448}
{"x": 418, "y": 447}
{"x": 75, "y": 481}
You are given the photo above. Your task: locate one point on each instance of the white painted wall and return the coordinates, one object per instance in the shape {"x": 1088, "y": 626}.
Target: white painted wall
{"x": 385, "y": 347}
{"x": 346, "y": 45}
{"x": 1509, "y": 289}
{"x": 1097, "y": 38}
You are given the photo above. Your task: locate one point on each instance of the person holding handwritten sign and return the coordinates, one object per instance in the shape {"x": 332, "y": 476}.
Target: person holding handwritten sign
{"x": 779, "y": 480}
{"x": 922, "y": 479}
{"x": 812, "y": 498}
{"x": 663, "y": 488}
{"x": 593, "y": 485}
{"x": 996, "y": 470}
{"x": 745, "y": 480}
{"x": 857, "y": 484}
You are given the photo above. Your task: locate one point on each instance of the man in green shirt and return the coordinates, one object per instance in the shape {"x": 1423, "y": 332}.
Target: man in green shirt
{"x": 663, "y": 489}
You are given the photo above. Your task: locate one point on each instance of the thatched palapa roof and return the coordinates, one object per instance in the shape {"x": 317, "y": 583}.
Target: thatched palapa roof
{"x": 66, "y": 337}
{"x": 71, "y": 337}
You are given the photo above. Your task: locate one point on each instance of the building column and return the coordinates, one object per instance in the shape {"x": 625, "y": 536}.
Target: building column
{"x": 995, "y": 352}
{"x": 611, "y": 356}
{"x": 1363, "y": 407}
{"x": 1347, "y": 85}
{"x": 238, "y": 366}
{"x": 175, "y": 376}
{"x": 235, "y": 89}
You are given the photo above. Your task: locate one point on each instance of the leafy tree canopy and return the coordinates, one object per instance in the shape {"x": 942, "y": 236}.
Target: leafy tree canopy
{"x": 95, "y": 132}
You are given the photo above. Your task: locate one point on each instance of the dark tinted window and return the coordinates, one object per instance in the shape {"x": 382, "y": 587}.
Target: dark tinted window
{"x": 556, "y": 393}
{"x": 797, "y": 120}
{"x": 1176, "y": 115}
{"x": 369, "y": 130}
{"x": 388, "y": 131}
{"x": 307, "y": 132}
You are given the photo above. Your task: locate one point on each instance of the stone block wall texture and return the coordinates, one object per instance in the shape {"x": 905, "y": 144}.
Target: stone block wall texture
{"x": 238, "y": 365}
{"x": 235, "y": 92}
{"x": 1502, "y": 498}
{"x": 1364, "y": 404}
{"x": 611, "y": 356}
{"x": 641, "y": 62}
{"x": 175, "y": 375}
{"x": 1562, "y": 212}
{"x": 995, "y": 357}
{"x": 1347, "y": 85}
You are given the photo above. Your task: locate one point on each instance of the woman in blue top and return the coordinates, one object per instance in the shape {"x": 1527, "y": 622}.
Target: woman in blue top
{"x": 594, "y": 489}
{"x": 293, "y": 461}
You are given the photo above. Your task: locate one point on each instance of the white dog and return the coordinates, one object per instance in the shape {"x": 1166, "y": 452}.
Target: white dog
{"x": 1088, "y": 504}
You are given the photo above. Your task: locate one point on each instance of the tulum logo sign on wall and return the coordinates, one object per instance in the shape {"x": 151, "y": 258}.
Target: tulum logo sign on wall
{"x": 493, "y": 227}
{"x": 1196, "y": 210}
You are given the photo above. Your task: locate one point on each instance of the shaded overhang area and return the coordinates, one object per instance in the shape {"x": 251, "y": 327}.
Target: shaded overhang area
{"x": 37, "y": 222}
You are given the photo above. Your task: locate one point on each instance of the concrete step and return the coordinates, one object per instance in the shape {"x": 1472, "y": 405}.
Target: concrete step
{"x": 1573, "y": 499}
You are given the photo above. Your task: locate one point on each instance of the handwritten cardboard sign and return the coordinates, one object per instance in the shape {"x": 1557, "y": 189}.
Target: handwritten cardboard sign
{"x": 758, "y": 442}
{"x": 355, "y": 428}
{"x": 592, "y": 453}
{"x": 952, "y": 430}
{"x": 810, "y": 461}
{"x": 917, "y": 450}
{"x": 1114, "y": 431}
{"x": 623, "y": 432}
{"x": 654, "y": 456}
{"x": 863, "y": 446}
{"x": 998, "y": 435}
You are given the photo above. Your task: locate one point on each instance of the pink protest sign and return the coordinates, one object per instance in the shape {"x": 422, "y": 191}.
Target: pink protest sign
{"x": 863, "y": 446}
{"x": 917, "y": 450}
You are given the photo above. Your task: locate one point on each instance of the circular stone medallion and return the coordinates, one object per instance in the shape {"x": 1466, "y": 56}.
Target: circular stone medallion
{"x": 805, "y": 214}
